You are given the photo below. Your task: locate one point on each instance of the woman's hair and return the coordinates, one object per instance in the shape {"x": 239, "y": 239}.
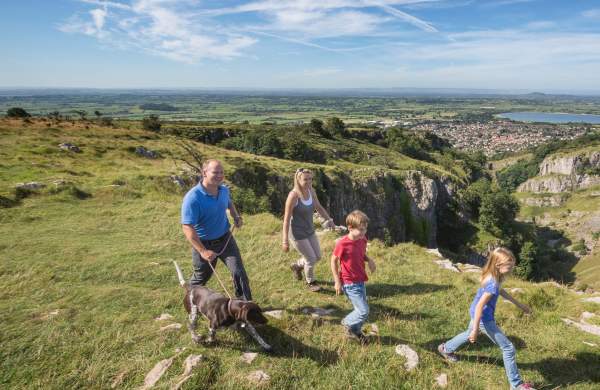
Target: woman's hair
{"x": 297, "y": 176}
{"x": 497, "y": 258}
{"x": 357, "y": 219}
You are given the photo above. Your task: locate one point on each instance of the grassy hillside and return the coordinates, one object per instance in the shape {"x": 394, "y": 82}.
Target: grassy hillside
{"x": 86, "y": 267}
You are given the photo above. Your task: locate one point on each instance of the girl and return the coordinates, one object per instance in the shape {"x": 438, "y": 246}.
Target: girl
{"x": 299, "y": 208}
{"x": 500, "y": 263}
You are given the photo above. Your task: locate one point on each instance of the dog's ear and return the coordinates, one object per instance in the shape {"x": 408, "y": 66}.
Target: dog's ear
{"x": 255, "y": 314}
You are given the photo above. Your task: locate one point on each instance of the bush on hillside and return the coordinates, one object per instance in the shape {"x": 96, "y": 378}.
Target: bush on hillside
{"x": 472, "y": 195}
{"x": 151, "y": 123}
{"x": 17, "y": 112}
{"x": 316, "y": 126}
{"x": 527, "y": 259}
{"x": 336, "y": 126}
{"x": 512, "y": 176}
{"x": 497, "y": 212}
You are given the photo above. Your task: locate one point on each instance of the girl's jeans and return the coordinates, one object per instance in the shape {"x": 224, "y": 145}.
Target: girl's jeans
{"x": 357, "y": 294}
{"x": 491, "y": 330}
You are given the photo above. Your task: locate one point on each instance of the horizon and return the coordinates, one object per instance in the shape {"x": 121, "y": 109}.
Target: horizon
{"x": 529, "y": 45}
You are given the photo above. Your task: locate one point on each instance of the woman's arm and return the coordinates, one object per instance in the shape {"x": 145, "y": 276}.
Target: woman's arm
{"x": 504, "y": 294}
{"x": 320, "y": 209}
{"x": 485, "y": 298}
{"x": 287, "y": 216}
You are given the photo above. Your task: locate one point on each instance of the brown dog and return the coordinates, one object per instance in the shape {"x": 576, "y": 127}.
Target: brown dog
{"x": 220, "y": 311}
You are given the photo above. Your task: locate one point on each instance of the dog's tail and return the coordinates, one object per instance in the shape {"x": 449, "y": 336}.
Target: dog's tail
{"x": 179, "y": 274}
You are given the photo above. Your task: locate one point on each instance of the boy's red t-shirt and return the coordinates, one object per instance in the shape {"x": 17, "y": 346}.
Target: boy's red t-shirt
{"x": 352, "y": 259}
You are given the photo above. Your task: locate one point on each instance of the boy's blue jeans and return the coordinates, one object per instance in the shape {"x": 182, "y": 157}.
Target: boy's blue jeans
{"x": 357, "y": 294}
{"x": 491, "y": 330}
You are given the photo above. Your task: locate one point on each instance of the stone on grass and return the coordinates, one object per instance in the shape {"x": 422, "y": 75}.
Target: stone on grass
{"x": 441, "y": 380}
{"x": 174, "y": 326}
{"x": 142, "y": 151}
{"x": 188, "y": 365}
{"x": 32, "y": 185}
{"x": 274, "y": 313}
{"x": 118, "y": 379}
{"x": 259, "y": 377}
{"x": 446, "y": 264}
{"x": 586, "y": 315}
{"x": 156, "y": 372}
{"x": 69, "y": 147}
{"x": 592, "y": 299}
{"x": 590, "y": 344}
{"x": 164, "y": 316}
{"x": 248, "y": 357}
{"x": 435, "y": 251}
{"x": 49, "y": 315}
{"x": 591, "y": 329}
{"x": 412, "y": 359}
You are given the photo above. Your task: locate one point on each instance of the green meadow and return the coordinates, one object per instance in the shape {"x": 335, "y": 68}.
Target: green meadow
{"x": 86, "y": 267}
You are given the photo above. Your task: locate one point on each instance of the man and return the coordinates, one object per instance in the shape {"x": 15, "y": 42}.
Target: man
{"x": 206, "y": 227}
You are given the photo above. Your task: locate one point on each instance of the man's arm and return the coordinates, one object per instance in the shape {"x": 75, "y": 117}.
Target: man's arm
{"x": 194, "y": 240}
{"x": 237, "y": 218}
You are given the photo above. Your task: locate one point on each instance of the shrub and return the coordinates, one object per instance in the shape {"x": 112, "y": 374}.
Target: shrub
{"x": 497, "y": 212}
{"x": 151, "y": 123}
{"x": 526, "y": 266}
{"x": 17, "y": 112}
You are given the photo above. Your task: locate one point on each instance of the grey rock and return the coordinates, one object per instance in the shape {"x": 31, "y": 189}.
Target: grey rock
{"x": 69, "y": 147}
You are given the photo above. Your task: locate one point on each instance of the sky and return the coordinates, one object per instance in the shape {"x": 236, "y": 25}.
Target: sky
{"x": 536, "y": 45}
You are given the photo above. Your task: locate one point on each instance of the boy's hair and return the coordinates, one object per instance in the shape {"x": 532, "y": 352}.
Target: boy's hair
{"x": 357, "y": 219}
{"x": 496, "y": 258}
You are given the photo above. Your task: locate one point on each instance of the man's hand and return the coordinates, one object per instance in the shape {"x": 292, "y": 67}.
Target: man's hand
{"x": 208, "y": 255}
{"x": 372, "y": 266}
{"x": 338, "y": 287}
{"x": 238, "y": 222}
{"x": 473, "y": 335}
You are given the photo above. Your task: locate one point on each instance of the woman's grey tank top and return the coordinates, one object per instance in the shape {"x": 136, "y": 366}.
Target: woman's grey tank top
{"x": 302, "y": 218}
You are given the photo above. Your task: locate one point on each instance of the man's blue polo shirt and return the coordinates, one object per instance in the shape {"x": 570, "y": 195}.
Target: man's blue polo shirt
{"x": 205, "y": 212}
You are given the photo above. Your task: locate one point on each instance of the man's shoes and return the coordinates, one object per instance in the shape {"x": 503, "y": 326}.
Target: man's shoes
{"x": 314, "y": 287}
{"x": 449, "y": 356}
{"x": 297, "y": 270}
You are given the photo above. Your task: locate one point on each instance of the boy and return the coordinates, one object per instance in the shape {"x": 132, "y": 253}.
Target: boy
{"x": 350, "y": 252}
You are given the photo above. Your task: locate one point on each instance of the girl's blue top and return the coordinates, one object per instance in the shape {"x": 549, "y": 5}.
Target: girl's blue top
{"x": 490, "y": 286}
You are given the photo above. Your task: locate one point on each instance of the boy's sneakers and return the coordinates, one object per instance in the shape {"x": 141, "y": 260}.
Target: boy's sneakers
{"x": 360, "y": 337}
{"x": 314, "y": 287}
{"x": 449, "y": 356}
{"x": 297, "y": 270}
{"x": 525, "y": 386}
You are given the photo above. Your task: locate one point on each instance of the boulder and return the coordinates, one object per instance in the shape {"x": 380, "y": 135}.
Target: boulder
{"x": 143, "y": 152}
{"x": 69, "y": 147}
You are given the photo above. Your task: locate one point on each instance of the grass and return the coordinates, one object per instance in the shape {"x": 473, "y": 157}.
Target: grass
{"x": 104, "y": 262}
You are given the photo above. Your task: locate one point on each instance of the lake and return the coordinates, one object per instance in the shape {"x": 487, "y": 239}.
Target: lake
{"x": 550, "y": 117}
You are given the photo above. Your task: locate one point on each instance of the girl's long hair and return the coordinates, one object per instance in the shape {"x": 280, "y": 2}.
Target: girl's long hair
{"x": 496, "y": 258}
{"x": 297, "y": 187}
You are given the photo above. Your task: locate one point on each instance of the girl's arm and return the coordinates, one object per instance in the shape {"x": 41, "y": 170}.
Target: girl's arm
{"x": 289, "y": 205}
{"x": 504, "y": 294}
{"x": 320, "y": 209}
{"x": 485, "y": 298}
{"x": 336, "y": 274}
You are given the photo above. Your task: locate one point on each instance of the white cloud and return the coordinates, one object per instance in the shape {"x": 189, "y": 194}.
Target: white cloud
{"x": 592, "y": 13}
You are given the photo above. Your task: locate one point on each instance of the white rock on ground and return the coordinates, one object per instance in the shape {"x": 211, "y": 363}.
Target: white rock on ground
{"x": 435, "y": 251}
{"x": 592, "y": 299}
{"x": 446, "y": 264}
{"x": 412, "y": 359}
{"x": 174, "y": 326}
{"x": 188, "y": 365}
{"x": 274, "y": 313}
{"x": 322, "y": 312}
{"x": 258, "y": 377}
{"x": 164, "y": 316}
{"x": 156, "y": 372}
{"x": 592, "y": 329}
{"x": 586, "y": 315}
{"x": 441, "y": 380}
{"x": 590, "y": 344}
{"x": 248, "y": 357}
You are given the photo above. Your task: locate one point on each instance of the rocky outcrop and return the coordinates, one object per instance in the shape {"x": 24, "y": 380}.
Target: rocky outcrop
{"x": 565, "y": 173}
{"x": 546, "y": 201}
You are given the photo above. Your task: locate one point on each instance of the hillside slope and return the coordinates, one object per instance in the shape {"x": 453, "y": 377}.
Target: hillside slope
{"x": 86, "y": 268}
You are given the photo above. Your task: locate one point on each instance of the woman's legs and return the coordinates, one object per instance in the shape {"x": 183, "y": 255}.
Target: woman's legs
{"x": 311, "y": 253}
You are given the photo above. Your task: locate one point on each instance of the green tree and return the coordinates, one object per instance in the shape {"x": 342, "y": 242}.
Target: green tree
{"x": 497, "y": 212}
{"x": 316, "y": 126}
{"x": 336, "y": 126}
{"x": 152, "y": 123}
{"x": 526, "y": 266}
{"x": 473, "y": 194}
{"x": 17, "y": 112}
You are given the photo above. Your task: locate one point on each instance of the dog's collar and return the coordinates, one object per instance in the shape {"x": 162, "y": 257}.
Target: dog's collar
{"x": 229, "y": 307}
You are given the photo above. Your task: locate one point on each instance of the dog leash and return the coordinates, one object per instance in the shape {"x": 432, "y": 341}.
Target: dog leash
{"x": 219, "y": 254}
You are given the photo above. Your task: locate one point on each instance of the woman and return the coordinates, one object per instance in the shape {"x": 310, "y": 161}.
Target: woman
{"x": 298, "y": 226}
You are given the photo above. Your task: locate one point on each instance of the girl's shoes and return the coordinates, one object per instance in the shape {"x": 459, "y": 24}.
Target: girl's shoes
{"x": 449, "y": 356}
{"x": 525, "y": 386}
